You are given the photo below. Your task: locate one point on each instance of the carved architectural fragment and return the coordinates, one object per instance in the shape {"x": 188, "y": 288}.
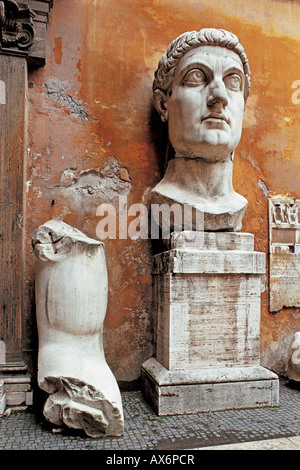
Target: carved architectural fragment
{"x": 71, "y": 299}
{"x": 37, "y": 53}
{"x": 23, "y": 26}
{"x": 284, "y": 248}
{"x": 16, "y": 25}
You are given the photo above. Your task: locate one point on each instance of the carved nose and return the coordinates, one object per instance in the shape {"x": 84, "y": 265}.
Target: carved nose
{"x": 218, "y": 94}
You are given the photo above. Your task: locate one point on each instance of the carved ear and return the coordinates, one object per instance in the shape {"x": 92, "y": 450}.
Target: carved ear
{"x": 160, "y": 103}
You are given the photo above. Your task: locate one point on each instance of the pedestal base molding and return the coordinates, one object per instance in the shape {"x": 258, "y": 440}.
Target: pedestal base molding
{"x": 16, "y": 391}
{"x": 210, "y": 389}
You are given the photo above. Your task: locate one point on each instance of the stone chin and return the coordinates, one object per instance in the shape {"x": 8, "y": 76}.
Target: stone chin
{"x": 215, "y": 145}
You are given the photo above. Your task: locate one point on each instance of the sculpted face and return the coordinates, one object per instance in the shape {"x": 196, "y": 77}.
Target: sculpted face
{"x": 205, "y": 104}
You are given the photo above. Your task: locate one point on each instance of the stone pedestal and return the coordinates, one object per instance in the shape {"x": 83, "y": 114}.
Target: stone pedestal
{"x": 207, "y": 316}
{"x": 17, "y": 387}
{"x": 15, "y": 383}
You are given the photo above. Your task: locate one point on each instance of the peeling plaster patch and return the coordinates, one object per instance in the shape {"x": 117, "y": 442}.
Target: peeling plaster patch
{"x": 124, "y": 175}
{"x": 263, "y": 186}
{"x": 67, "y": 178}
{"x": 107, "y": 183}
{"x": 57, "y": 91}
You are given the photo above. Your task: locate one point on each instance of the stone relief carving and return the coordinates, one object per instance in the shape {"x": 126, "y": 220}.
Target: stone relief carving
{"x": 200, "y": 89}
{"x": 71, "y": 300}
{"x": 284, "y": 214}
{"x": 284, "y": 248}
{"x": 16, "y": 25}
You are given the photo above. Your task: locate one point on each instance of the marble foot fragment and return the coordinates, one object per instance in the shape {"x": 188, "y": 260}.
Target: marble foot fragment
{"x": 71, "y": 299}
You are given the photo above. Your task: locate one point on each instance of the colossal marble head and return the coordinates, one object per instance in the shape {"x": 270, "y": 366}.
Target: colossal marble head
{"x": 200, "y": 87}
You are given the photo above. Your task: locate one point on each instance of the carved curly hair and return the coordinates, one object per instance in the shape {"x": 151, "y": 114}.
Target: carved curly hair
{"x": 165, "y": 72}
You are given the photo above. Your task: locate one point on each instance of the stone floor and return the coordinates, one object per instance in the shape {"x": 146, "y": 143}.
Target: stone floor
{"x": 145, "y": 431}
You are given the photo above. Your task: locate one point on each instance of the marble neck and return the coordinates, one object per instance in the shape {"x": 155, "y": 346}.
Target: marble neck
{"x": 198, "y": 176}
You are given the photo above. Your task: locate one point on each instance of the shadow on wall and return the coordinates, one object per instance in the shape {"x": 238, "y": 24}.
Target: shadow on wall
{"x": 158, "y": 132}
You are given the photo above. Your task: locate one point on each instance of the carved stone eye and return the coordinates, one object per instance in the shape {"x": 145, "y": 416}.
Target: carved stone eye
{"x": 233, "y": 82}
{"x": 194, "y": 77}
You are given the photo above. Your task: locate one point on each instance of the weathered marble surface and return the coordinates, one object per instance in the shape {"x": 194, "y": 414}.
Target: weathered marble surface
{"x": 293, "y": 360}
{"x": 207, "y": 326}
{"x": 200, "y": 89}
{"x": 206, "y": 284}
{"x": 207, "y": 301}
{"x": 208, "y": 389}
{"x": 71, "y": 298}
{"x": 180, "y": 185}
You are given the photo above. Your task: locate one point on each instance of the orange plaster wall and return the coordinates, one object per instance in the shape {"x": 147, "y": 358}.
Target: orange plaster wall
{"x": 90, "y": 109}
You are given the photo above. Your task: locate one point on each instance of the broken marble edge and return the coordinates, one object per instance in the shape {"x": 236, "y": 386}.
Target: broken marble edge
{"x": 61, "y": 229}
{"x": 53, "y": 241}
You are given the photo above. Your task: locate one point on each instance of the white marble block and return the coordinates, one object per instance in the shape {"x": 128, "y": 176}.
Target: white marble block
{"x": 2, "y": 397}
{"x": 71, "y": 298}
{"x": 207, "y": 322}
{"x": 293, "y": 360}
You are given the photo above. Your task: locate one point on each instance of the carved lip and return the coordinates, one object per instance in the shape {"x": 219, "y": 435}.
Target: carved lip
{"x": 218, "y": 116}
